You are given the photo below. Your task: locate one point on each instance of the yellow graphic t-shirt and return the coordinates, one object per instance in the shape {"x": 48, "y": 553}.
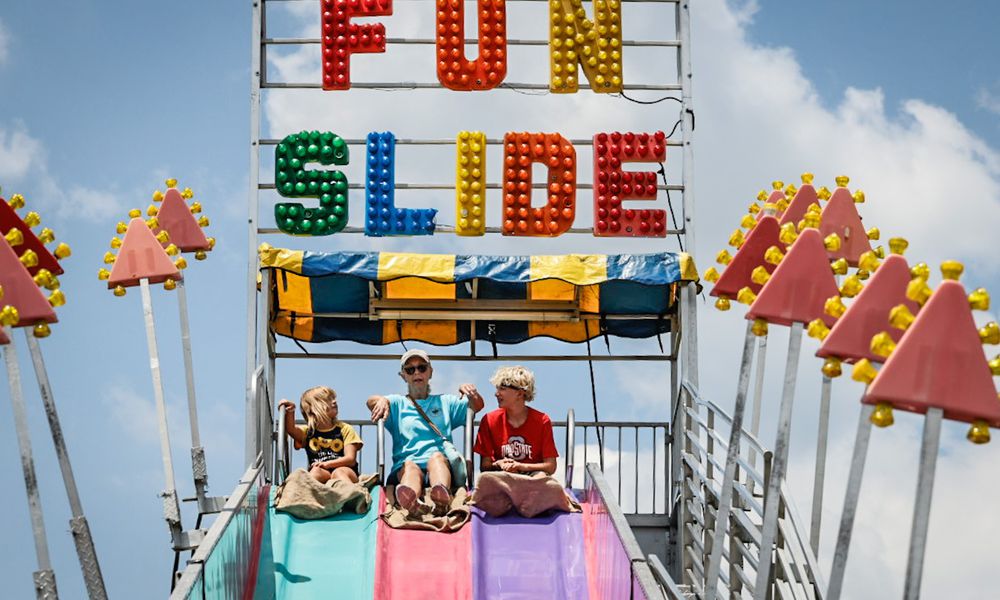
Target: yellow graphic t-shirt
{"x": 329, "y": 444}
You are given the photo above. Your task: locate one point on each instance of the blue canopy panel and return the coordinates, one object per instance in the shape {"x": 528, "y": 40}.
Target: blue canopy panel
{"x": 351, "y": 296}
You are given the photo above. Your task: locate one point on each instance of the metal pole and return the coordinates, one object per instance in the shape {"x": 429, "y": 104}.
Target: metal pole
{"x": 850, "y": 502}
{"x": 729, "y": 479}
{"x": 198, "y": 464}
{"x": 85, "y": 551}
{"x": 45, "y": 579}
{"x": 251, "y": 334}
{"x": 922, "y": 505}
{"x": 758, "y": 392}
{"x": 821, "y": 440}
{"x": 769, "y": 528}
{"x": 171, "y": 507}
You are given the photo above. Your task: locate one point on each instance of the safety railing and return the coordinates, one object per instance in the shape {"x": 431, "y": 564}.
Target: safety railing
{"x": 635, "y": 454}
{"x": 224, "y": 560}
{"x": 705, "y": 443}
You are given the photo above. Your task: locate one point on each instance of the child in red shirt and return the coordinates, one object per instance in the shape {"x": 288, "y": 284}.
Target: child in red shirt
{"x": 516, "y": 438}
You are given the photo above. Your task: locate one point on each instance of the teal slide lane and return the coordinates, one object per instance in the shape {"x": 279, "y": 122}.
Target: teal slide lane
{"x": 324, "y": 558}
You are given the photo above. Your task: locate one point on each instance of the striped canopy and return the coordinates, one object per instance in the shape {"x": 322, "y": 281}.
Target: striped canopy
{"x": 444, "y": 299}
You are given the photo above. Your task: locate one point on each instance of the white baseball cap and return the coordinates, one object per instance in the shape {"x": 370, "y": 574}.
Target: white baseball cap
{"x": 410, "y": 354}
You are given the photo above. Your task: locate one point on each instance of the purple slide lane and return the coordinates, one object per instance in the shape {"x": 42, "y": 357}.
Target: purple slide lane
{"x": 527, "y": 559}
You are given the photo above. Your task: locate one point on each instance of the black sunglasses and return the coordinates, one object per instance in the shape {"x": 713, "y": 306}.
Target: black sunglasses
{"x": 414, "y": 369}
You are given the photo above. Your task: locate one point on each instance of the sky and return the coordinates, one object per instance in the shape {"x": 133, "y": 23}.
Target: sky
{"x": 100, "y": 105}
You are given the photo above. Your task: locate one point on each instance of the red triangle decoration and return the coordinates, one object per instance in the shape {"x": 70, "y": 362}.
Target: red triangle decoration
{"x": 9, "y": 219}
{"x": 175, "y": 217}
{"x": 736, "y": 275}
{"x": 20, "y": 290}
{"x": 940, "y": 363}
{"x": 141, "y": 256}
{"x": 841, "y": 216}
{"x": 850, "y": 338}
{"x": 776, "y": 197}
{"x": 800, "y": 203}
{"x": 800, "y": 285}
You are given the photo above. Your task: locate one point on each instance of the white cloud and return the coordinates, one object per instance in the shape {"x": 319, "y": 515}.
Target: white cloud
{"x": 4, "y": 44}
{"x": 989, "y": 100}
{"x": 18, "y": 150}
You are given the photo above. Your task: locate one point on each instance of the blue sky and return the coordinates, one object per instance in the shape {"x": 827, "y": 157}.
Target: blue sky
{"x": 101, "y": 101}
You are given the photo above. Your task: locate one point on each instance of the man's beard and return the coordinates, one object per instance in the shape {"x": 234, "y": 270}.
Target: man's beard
{"x": 419, "y": 391}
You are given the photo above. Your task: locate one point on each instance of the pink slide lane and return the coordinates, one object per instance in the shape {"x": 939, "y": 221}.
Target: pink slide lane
{"x": 422, "y": 565}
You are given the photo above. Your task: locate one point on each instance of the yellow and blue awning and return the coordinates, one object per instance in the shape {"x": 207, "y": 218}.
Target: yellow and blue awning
{"x": 444, "y": 299}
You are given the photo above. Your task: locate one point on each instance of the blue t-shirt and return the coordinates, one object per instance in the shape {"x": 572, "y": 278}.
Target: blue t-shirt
{"x": 412, "y": 437}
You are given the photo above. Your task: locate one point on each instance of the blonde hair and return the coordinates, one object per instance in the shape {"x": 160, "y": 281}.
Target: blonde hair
{"x": 516, "y": 377}
{"x": 314, "y": 404}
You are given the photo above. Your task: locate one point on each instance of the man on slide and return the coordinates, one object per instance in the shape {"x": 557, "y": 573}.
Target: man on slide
{"x": 418, "y": 451}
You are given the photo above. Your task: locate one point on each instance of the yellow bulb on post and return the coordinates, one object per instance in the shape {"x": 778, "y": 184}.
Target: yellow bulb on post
{"x": 169, "y": 284}
{"x": 119, "y": 291}
{"x": 723, "y": 257}
{"x": 29, "y": 259}
{"x": 823, "y": 193}
{"x": 832, "y": 367}
{"x": 753, "y": 209}
{"x": 759, "y": 275}
{"x": 868, "y": 261}
{"x": 211, "y": 242}
{"x": 782, "y": 205}
{"x": 32, "y": 219}
{"x": 952, "y": 269}
{"x": 900, "y": 317}
{"x": 839, "y": 266}
{"x": 135, "y": 213}
{"x": 990, "y": 333}
{"x": 842, "y": 180}
{"x": 163, "y": 237}
{"x": 862, "y": 274}
{"x": 181, "y": 263}
{"x": 115, "y": 243}
{"x": 200, "y": 255}
{"x": 995, "y": 366}
{"x": 41, "y": 330}
{"x": 788, "y": 235}
{"x": 832, "y": 242}
{"x": 46, "y": 236}
{"x": 9, "y": 316}
{"x": 748, "y": 222}
{"x": 790, "y": 190}
{"x": 57, "y": 298}
{"x": 777, "y": 185}
{"x": 918, "y": 291}
{"x": 722, "y": 303}
{"x": 773, "y": 255}
{"x": 153, "y": 223}
{"x": 882, "y": 344}
{"x": 172, "y": 250}
{"x": 186, "y": 193}
{"x": 62, "y": 251}
{"x": 745, "y": 296}
{"x": 711, "y": 275}
{"x": 762, "y": 195}
{"x": 109, "y": 258}
{"x": 920, "y": 271}
{"x": 171, "y": 182}
{"x": 882, "y": 415}
{"x": 203, "y": 221}
{"x": 14, "y": 237}
{"x": 873, "y": 233}
{"x": 879, "y": 251}
{"x": 152, "y": 211}
{"x": 851, "y": 286}
{"x": 103, "y": 274}
{"x": 42, "y": 277}
{"x": 979, "y": 432}
{"x": 817, "y": 329}
{"x": 195, "y": 208}
{"x": 121, "y": 227}
{"x": 898, "y": 245}
{"x": 814, "y": 208}
{"x": 859, "y": 197}
{"x": 979, "y": 299}
{"x": 16, "y": 201}
{"x": 157, "y": 196}
{"x": 736, "y": 239}
{"x": 759, "y": 327}
{"x": 834, "y": 307}
{"x": 807, "y": 178}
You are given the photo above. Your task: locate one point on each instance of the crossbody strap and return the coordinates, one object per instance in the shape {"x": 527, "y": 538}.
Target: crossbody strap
{"x": 427, "y": 419}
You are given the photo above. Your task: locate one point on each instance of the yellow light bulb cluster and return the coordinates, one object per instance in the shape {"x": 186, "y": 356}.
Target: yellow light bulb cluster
{"x": 195, "y": 208}
{"x": 16, "y": 201}
{"x": 776, "y": 185}
{"x": 817, "y": 329}
{"x": 748, "y": 221}
{"x": 759, "y": 327}
{"x": 723, "y": 257}
{"x": 774, "y": 255}
{"x": 14, "y": 237}
{"x": 882, "y": 344}
{"x": 858, "y": 196}
{"x": 868, "y": 261}
{"x": 823, "y": 193}
{"x": 921, "y": 271}
{"x": 882, "y": 415}
{"x": 995, "y": 365}
{"x": 807, "y": 178}
{"x": 594, "y": 45}
{"x": 979, "y": 432}
{"x": 29, "y": 259}
{"x": 134, "y": 213}
{"x": 979, "y": 299}
{"x": 839, "y": 266}
{"x": 788, "y": 234}
{"x": 746, "y": 296}
{"x": 736, "y": 239}
{"x": 952, "y": 269}
{"x": 863, "y": 371}
{"x": 832, "y": 367}
{"x": 44, "y": 278}
{"x": 900, "y": 317}
{"x": 842, "y": 180}
{"x": 470, "y": 183}
{"x": 898, "y": 245}
{"x": 790, "y": 191}
{"x": 990, "y": 333}
{"x": 169, "y": 284}
{"x": 832, "y": 242}
{"x": 711, "y": 275}
{"x": 851, "y": 287}
{"x": 753, "y": 209}
{"x": 722, "y": 303}
{"x": 874, "y": 234}
{"x": 760, "y": 275}
{"x": 918, "y": 290}
{"x": 834, "y": 307}
{"x": 9, "y": 316}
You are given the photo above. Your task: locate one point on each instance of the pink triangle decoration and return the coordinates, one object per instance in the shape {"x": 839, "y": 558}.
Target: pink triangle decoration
{"x": 175, "y": 217}
{"x": 10, "y": 219}
{"x": 736, "y": 275}
{"x": 800, "y": 285}
{"x": 800, "y": 204}
{"x": 841, "y": 216}
{"x": 21, "y": 292}
{"x": 141, "y": 256}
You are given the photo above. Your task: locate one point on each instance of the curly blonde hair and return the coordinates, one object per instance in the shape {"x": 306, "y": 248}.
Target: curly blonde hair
{"x": 516, "y": 377}
{"x": 314, "y": 404}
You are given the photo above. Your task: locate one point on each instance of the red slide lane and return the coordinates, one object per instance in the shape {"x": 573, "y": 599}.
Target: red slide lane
{"x": 422, "y": 565}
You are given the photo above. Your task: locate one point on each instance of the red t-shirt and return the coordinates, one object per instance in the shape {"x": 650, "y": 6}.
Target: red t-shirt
{"x": 531, "y": 442}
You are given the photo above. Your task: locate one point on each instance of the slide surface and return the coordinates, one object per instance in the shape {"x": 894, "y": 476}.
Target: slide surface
{"x": 521, "y": 559}
{"x": 325, "y": 558}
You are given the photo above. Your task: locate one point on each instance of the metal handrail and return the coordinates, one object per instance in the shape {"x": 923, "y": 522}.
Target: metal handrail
{"x": 469, "y": 469}
{"x": 666, "y": 582}
{"x": 570, "y": 446}
{"x": 380, "y": 450}
{"x": 284, "y": 462}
